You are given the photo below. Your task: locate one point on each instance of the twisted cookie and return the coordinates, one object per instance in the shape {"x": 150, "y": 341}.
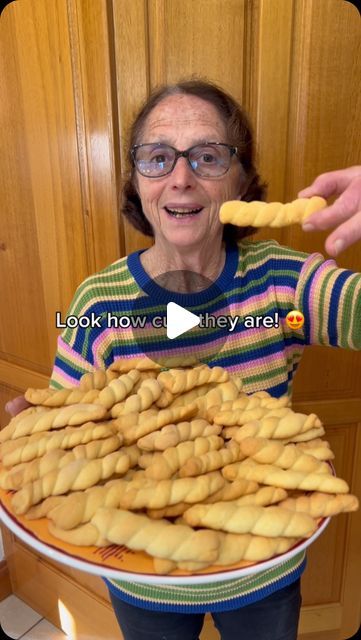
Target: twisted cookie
{"x": 247, "y": 547}
{"x": 159, "y": 538}
{"x": 38, "y": 444}
{"x": 60, "y": 397}
{"x": 189, "y": 396}
{"x": 321, "y": 505}
{"x": 180, "y": 381}
{"x": 57, "y": 458}
{"x": 290, "y": 425}
{"x": 54, "y": 419}
{"x": 101, "y": 387}
{"x": 224, "y": 392}
{"x": 317, "y": 448}
{"x": 263, "y": 521}
{"x": 79, "y": 506}
{"x": 229, "y": 491}
{"x": 173, "y": 434}
{"x": 162, "y": 493}
{"x": 97, "y": 379}
{"x": 242, "y": 416}
{"x": 273, "y": 214}
{"x": 211, "y": 460}
{"x": 118, "y": 389}
{"x": 168, "y": 462}
{"x": 276, "y": 477}
{"x": 285, "y": 456}
{"x": 135, "y": 425}
{"x": 77, "y": 475}
{"x": 148, "y": 392}
{"x": 234, "y": 548}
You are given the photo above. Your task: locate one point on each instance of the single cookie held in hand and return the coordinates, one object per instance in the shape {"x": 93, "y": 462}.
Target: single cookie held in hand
{"x": 269, "y": 214}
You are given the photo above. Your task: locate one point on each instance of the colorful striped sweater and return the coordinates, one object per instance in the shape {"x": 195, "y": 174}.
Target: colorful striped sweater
{"x": 260, "y": 278}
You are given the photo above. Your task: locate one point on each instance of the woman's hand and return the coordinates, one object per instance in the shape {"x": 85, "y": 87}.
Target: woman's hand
{"x": 344, "y": 213}
{"x": 16, "y": 405}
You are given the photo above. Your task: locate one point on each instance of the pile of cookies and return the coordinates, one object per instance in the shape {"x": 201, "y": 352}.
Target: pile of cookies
{"x": 173, "y": 459}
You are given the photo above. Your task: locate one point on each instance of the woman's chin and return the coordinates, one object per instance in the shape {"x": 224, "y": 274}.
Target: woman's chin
{"x": 184, "y": 237}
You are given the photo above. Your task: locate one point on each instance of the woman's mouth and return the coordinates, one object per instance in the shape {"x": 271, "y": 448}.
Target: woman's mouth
{"x": 183, "y": 212}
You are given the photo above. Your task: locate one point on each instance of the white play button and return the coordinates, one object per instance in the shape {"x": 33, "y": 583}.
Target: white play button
{"x": 179, "y": 320}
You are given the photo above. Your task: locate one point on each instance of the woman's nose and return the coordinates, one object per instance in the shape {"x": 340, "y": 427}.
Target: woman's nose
{"x": 182, "y": 175}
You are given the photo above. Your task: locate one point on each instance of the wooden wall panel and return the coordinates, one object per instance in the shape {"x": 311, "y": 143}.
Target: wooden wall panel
{"x": 324, "y": 125}
{"x": 322, "y": 581}
{"x": 203, "y": 38}
{"x": 267, "y": 91}
{"x": 131, "y": 76}
{"x": 60, "y": 177}
{"x": 95, "y": 101}
{"x": 351, "y": 583}
{"x": 45, "y": 256}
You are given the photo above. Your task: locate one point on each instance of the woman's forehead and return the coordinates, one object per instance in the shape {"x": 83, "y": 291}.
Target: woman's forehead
{"x": 184, "y": 111}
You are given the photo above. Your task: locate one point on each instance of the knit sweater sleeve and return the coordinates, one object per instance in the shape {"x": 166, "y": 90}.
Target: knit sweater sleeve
{"x": 330, "y": 299}
{"x": 75, "y": 345}
{"x": 70, "y": 360}
{"x": 69, "y": 366}
{"x": 77, "y": 351}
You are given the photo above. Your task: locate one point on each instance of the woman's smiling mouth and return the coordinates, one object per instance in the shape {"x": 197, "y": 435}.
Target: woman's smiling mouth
{"x": 178, "y": 211}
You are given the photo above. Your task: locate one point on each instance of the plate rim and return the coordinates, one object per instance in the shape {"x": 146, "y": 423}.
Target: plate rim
{"x": 87, "y": 566}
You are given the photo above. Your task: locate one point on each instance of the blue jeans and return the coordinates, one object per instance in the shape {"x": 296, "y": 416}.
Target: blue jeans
{"x": 273, "y": 618}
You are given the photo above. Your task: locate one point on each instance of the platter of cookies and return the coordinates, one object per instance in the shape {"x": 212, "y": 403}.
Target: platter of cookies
{"x": 166, "y": 473}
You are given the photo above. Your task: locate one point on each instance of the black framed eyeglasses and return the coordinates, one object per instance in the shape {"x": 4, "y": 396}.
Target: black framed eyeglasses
{"x": 207, "y": 160}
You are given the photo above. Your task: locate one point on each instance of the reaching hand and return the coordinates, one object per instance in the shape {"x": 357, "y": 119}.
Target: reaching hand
{"x": 344, "y": 213}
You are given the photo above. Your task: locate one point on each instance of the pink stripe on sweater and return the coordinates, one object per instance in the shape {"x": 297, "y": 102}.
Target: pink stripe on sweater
{"x": 76, "y": 358}
{"x": 63, "y": 378}
{"x": 285, "y": 290}
{"x": 314, "y": 328}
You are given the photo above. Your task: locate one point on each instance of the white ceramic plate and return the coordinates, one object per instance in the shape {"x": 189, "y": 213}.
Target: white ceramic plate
{"x": 134, "y": 562}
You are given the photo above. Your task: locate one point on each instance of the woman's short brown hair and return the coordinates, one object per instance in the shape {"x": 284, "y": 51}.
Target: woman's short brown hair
{"x": 239, "y": 133}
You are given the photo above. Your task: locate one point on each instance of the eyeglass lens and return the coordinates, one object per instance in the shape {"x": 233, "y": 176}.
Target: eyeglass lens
{"x": 206, "y": 160}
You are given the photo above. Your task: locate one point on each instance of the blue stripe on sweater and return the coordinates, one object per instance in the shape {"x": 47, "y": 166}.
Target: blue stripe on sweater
{"x": 334, "y": 304}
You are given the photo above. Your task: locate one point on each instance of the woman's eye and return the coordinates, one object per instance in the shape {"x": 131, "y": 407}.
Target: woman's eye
{"x": 160, "y": 158}
{"x": 208, "y": 158}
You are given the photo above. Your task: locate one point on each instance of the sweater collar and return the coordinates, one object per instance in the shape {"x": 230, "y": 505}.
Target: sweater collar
{"x": 161, "y": 295}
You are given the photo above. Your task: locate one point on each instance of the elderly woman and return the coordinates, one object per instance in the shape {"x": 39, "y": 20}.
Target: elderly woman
{"x": 191, "y": 149}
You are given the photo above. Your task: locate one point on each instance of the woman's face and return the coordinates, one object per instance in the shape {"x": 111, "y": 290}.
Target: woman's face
{"x": 183, "y": 121}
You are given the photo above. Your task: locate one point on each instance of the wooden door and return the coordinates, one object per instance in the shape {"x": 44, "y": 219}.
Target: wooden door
{"x": 73, "y": 74}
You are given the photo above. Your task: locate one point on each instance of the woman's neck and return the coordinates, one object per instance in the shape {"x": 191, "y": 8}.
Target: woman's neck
{"x": 203, "y": 260}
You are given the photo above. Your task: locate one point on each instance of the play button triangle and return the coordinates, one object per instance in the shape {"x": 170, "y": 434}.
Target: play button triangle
{"x": 179, "y": 320}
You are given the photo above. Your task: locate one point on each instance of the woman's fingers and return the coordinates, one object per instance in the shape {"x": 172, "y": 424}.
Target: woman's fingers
{"x": 347, "y": 205}
{"x": 16, "y": 405}
{"x": 331, "y": 183}
{"x": 344, "y": 236}
{"x": 344, "y": 213}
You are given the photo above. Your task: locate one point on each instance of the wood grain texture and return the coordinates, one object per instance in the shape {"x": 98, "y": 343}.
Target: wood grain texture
{"x": 96, "y": 129}
{"x": 203, "y": 38}
{"x": 131, "y": 68}
{"x": 324, "y": 116}
{"x": 5, "y": 584}
{"x": 45, "y": 255}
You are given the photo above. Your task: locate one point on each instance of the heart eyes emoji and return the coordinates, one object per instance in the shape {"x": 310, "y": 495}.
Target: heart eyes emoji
{"x": 295, "y": 319}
